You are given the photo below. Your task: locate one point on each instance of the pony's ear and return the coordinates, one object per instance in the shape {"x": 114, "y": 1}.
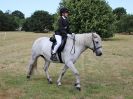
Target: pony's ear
{"x": 95, "y": 35}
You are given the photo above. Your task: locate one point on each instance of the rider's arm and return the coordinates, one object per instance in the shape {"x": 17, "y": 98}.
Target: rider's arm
{"x": 62, "y": 29}
{"x": 68, "y": 30}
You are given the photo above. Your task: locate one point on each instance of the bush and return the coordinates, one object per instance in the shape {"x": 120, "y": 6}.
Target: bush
{"x": 90, "y": 15}
{"x": 7, "y": 22}
{"x": 125, "y": 24}
{"x": 40, "y": 21}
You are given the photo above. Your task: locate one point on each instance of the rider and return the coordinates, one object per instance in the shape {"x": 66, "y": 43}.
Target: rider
{"x": 62, "y": 30}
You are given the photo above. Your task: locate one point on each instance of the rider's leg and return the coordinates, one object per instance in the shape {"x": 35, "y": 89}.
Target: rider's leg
{"x": 58, "y": 41}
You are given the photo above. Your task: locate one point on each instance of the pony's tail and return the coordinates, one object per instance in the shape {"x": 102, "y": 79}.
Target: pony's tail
{"x": 35, "y": 66}
{"x": 32, "y": 68}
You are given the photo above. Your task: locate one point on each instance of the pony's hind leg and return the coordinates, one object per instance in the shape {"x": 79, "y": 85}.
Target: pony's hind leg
{"x": 32, "y": 65}
{"x": 46, "y": 66}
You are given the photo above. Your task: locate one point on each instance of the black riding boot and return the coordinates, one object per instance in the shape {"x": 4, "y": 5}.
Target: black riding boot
{"x": 53, "y": 57}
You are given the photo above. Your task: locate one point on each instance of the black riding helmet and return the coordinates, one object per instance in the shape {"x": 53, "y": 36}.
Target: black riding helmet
{"x": 63, "y": 10}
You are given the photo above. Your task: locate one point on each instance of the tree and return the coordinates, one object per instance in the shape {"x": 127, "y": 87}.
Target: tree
{"x": 40, "y": 21}
{"x": 119, "y": 12}
{"x": 18, "y": 14}
{"x": 1, "y": 12}
{"x": 19, "y": 18}
{"x": 7, "y": 22}
{"x": 90, "y": 15}
{"x": 126, "y": 24}
{"x": 28, "y": 26}
{"x": 8, "y": 12}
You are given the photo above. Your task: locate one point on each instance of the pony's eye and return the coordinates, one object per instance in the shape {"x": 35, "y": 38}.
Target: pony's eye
{"x": 97, "y": 42}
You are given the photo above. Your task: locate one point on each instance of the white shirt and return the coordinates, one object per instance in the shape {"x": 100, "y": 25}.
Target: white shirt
{"x": 63, "y": 17}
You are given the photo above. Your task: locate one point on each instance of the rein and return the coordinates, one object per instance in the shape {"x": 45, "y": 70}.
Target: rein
{"x": 73, "y": 46}
{"x": 94, "y": 49}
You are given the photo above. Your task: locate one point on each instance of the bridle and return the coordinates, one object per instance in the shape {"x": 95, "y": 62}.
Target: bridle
{"x": 95, "y": 48}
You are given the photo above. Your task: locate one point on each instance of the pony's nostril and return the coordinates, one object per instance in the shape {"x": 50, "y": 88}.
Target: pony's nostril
{"x": 100, "y": 54}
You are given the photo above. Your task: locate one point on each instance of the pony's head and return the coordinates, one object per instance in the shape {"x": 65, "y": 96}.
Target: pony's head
{"x": 96, "y": 44}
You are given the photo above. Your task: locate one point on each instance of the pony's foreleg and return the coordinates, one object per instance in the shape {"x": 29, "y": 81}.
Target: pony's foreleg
{"x": 76, "y": 73}
{"x": 64, "y": 69}
{"x": 46, "y": 66}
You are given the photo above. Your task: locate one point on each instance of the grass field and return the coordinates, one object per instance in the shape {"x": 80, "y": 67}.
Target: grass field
{"x": 106, "y": 77}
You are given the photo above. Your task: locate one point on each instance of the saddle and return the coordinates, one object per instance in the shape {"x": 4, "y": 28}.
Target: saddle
{"x": 61, "y": 48}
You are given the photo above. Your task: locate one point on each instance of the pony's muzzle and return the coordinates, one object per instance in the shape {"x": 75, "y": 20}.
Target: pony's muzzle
{"x": 99, "y": 54}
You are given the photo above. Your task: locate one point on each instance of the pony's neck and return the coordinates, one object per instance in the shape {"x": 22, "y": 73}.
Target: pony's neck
{"x": 83, "y": 40}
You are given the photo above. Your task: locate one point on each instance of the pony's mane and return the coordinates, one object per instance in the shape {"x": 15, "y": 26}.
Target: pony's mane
{"x": 85, "y": 37}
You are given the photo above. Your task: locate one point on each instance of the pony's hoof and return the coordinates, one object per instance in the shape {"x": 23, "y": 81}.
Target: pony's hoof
{"x": 59, "y": 83}
{"x": 28, "y": 77}
{"x": 78, "y": 88}
{"x": 50, "y": 81}
{"x": 77, "y": 85}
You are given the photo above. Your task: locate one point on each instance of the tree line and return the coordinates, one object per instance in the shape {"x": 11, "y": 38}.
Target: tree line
{"x": 10, "y": 21}
{"x": 124, "y": 21}
{"x": 85, "y": 16}
{"x": 40, "y": 21}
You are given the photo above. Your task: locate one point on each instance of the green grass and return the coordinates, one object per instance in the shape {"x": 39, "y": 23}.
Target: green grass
{"x": 106, "y": 77}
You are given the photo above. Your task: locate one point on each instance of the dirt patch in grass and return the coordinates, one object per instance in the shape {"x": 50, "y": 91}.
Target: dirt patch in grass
{"x": 12, "y": 93}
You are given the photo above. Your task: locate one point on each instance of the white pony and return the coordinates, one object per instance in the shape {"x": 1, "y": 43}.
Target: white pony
{"x": 42, "y": 47}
